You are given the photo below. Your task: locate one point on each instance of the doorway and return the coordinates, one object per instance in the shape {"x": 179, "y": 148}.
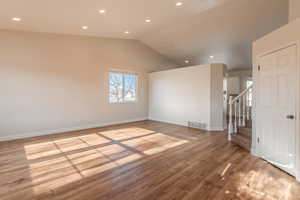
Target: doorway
{"x": 276, "y": 108}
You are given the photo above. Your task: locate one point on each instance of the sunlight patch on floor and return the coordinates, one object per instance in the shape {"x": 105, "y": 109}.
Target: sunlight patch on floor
{"x": 126, "y": 133}
{"x": 154, "y": 143}
{"x": 226, "y": 169}
{"x": 62, "y": 161}
{"x": 261, "y": 184}
{"x": 44, "y": 149}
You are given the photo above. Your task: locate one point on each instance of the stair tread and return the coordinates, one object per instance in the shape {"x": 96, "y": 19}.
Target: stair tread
{"x": 249, "y": 123}
{"x": 247, "y": 132}
{"x": 242, "y": 141}
{"x": 246, "y": 128}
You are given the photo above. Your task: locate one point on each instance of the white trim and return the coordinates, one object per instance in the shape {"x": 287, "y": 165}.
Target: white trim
{"x": 253, "y": 152}
{"x": 297, "y": 150}
{"x": 277, "y": 49}
{"x": 169, "y": 122}
{"x": 254, "y": 146}
{"x": 256, "y": 151}
{"x": 123, "y": 71}
{"x": 221, "y": 128}
{"x": 63, "y": 130}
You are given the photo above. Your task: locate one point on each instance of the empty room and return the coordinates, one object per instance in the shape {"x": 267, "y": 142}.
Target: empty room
{"x": 150, "y": 100}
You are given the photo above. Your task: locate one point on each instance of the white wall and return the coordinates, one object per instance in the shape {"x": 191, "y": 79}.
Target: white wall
{"x": 280, "y": 38}
{"x": 185, "y": 94}
{"x": 217, "y": 112}
{"x": 51, "y": 83}
{"x": 294, "y": 9}
{"x": 233, "y": 85}
{"x": 242, "y": 76}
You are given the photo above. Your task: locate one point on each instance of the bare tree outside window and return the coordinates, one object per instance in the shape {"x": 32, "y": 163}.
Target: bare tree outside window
{"x": 122, "y": 87}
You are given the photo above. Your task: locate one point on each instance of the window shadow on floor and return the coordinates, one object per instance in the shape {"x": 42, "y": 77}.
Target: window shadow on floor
{"x": 44, "y": 165}
{"x": 143, "y": 160}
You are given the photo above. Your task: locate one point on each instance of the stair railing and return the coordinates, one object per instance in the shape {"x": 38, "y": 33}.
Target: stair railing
{"x": 242, "y": 111}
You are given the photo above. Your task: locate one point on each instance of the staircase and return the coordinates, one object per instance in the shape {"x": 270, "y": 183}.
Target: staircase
{"x": 240, "y": 119}
{"x": 243, "y": 137}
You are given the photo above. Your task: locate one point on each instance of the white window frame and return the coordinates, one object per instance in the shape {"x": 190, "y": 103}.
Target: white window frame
{"x": 123, "y": 88}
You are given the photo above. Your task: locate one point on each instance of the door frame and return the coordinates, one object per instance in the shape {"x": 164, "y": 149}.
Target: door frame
{"x": 255, "y": 131}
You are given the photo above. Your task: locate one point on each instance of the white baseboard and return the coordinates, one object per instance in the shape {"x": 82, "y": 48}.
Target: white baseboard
{"x": 63, "y": 130}
{"x": 253, "y": 152}
{"x": 215, "y": 128}
{"x": 169, "y": 122}
{"x": 185, "y": 124}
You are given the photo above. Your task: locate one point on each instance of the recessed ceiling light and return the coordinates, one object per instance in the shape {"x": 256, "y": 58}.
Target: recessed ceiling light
{"x": 16, "y": 19}
{"x": 102, "y": 11}
{"x": 179, "y": 4}
{"x": 126, "y": 32}
{"x": 187, "y": 61}
{"x": 211, "y": 57}
{"x": 148, "y": 20}
{"x": 85, "y": 27}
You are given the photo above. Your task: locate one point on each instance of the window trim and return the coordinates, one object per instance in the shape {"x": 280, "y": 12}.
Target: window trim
{"x": 124, "y": 72}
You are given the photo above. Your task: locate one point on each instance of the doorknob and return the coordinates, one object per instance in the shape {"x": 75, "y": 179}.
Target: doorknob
{"x": 290, "y": 117}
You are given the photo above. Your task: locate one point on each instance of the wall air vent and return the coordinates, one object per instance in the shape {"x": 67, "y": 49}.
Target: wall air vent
{"x": 197, "y": 125}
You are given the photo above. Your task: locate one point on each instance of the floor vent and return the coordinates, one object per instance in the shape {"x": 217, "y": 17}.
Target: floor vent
{"x": 197, "y": 125}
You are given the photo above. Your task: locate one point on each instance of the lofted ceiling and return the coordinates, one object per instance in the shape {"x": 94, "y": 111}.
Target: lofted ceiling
{"x": 194, "y": 31}
{"x": 223, "y": 33}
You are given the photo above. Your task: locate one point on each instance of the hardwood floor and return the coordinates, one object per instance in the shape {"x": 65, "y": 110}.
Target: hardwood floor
{"x": 138, "y": 161}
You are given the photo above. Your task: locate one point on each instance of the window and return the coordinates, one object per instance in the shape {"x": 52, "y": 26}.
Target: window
{"x": 122, "y": 87}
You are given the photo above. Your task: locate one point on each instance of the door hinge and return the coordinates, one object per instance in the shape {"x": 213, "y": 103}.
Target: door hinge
{"x": 258, "y": 140}
{"x": 258, "y": 67}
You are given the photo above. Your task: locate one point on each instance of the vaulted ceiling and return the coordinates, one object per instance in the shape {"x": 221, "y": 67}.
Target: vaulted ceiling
{"x": 199, "y": 31}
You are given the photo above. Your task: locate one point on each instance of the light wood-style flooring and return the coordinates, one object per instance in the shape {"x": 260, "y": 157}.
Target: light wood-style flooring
{"x": 145, "y": 160}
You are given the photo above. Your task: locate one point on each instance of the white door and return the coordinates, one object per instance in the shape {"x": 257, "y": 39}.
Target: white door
{"x": 277, "y": 108}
